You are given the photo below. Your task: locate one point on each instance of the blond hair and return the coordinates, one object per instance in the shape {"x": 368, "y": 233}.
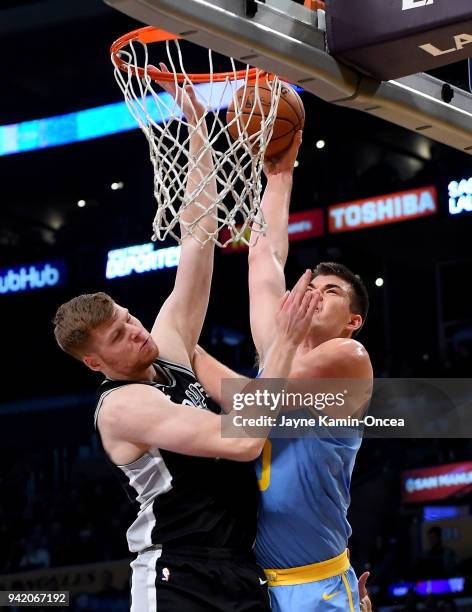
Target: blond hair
{"x": 77, "y": 318}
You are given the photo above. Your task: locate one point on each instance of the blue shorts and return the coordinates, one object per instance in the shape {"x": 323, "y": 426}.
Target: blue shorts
{"x": 339, "y": 593}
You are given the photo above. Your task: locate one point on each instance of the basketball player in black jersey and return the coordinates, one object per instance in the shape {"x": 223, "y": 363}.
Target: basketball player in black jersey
{"x": 196, "y": 491}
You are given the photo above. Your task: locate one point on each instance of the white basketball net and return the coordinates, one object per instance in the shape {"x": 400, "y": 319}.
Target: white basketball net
{"x": 237, "y": 165}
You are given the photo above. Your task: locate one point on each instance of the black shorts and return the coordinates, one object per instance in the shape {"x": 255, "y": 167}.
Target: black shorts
{"x": 197, "y": 580}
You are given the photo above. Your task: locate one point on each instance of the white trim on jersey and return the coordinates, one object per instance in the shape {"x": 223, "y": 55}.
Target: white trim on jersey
{"x": 177, "y": 366}
{"x": 99, "y": 405}
{"x": 143, "y": 581}
{"x": 149, "y": 477}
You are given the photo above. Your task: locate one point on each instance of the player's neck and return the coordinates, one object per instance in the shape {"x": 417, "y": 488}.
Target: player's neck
{"x": 152, "y": 374}
{"x": 147, "y": 374}
{"x": 309, "y": 343}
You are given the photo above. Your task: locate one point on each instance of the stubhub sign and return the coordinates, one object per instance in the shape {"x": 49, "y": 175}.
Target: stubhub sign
{"x": 139, "y": 259}
{"x": 29, "y": 277}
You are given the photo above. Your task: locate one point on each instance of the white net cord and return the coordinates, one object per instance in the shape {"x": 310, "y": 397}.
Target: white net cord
{"x": 237, "y": 164}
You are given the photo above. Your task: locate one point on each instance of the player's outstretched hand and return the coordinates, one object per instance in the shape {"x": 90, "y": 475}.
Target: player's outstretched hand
{"x": 365, "y": 603}
{"x": 285, "y": 161}
{"x": 296, "y": 311}
{"x": 186, "y": 98}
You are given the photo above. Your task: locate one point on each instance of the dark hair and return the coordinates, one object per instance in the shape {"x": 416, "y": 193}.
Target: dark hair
{"x": 359, "y": 295}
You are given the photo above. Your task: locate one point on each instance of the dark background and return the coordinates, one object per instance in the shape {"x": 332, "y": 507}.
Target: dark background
{"x": 57, "y": 493}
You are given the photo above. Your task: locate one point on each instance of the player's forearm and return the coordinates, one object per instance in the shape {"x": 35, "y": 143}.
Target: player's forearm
{"x": 275, "y": 205}
{"x": 278, "y": 365}
{"x": 211, "y": 372}
{"x": 267, "y": 260}
{"x": 201, "y": 190}
{"x": 279, "y": 358}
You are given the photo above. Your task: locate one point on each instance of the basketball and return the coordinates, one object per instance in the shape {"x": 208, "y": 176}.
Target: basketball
{"x": 290, "y": 116}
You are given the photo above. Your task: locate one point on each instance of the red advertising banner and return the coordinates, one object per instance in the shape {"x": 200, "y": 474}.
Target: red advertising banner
{"x": 301, "y": 225}
{"x": 435, "y": 483}
{"x": 382, "y": 210}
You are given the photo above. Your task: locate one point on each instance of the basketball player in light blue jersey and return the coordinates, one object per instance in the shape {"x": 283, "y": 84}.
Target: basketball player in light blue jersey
{"x": 302, "y": 527}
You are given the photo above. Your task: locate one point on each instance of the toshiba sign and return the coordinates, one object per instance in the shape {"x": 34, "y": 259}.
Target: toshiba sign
{"x": 382, "y": 210}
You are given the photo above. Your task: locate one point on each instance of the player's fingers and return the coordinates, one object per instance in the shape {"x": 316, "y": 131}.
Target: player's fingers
{"x": 313, "y": 305}
{"x": 168, "y": 86}
{"x": 308, "y": 308}
{"x": 317, "y": 296}
{"x": 362, "y": 584}
{"x": 291, "y": 154}
{"x": 153, "y": 71}
{"x": 305, "y": 303}
{"x": 296, "y": 142}
{"x": 192, "y": 96}
{"x": 303, "y": 281}
{"x": 284, "y": 300}
{"x": 300, "y": 287}
{"x": 365, "y": 604}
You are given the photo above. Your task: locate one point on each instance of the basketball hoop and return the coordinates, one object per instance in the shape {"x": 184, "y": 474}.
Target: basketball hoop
{"x": 238, "y": 162}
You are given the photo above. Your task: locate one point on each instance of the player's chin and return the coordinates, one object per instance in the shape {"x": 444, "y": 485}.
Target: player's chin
{"x": 149, "y": 353}
{"x": 317, "y": 325}
{"x": 154, "y": 350}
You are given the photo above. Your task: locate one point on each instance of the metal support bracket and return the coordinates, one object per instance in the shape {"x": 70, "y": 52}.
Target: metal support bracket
{"x": 285, "y": 38}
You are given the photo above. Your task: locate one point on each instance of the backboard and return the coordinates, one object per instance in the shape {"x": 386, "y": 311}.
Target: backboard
{"x": 288, "y": 39}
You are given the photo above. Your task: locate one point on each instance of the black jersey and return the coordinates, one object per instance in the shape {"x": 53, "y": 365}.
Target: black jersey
{"x": 184, "y": 500}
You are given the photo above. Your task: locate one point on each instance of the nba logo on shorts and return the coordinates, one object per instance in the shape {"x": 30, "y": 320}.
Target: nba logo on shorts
{"x": 165, "y": 574}
{"x": 411, "y": 4}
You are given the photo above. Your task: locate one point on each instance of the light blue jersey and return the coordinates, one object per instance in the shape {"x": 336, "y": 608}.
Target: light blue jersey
{"x": 305, "y": 496}
{"x": 302, "y": 518}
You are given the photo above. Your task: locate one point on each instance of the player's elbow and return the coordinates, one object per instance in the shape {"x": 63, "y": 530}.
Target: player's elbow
{"x": 260, "y": 252}
{"x": 267, "y": 266}
{"x": 249, "y": 449}
{"x": 241, "y": 449}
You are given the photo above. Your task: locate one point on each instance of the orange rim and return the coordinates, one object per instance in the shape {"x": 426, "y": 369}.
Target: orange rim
{"x": 315, "y": 4}
{"x": 150, "y": 34}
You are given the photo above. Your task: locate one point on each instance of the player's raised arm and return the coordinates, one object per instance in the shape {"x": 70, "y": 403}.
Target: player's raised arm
{"x": 180, "y": 320}
{"x": 268, "y": 256}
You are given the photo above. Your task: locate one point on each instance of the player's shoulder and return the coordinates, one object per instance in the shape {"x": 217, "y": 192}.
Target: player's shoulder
{"x": 125, "y": 400}
{"x": 348, "y": 347}
{"x": 337, "y": 357}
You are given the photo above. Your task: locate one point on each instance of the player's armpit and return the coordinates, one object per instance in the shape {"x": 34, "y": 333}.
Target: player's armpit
{"x": 143, "y": 415}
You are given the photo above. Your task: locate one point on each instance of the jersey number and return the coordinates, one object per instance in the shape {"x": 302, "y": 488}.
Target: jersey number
{"x": 264, "y": 481}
